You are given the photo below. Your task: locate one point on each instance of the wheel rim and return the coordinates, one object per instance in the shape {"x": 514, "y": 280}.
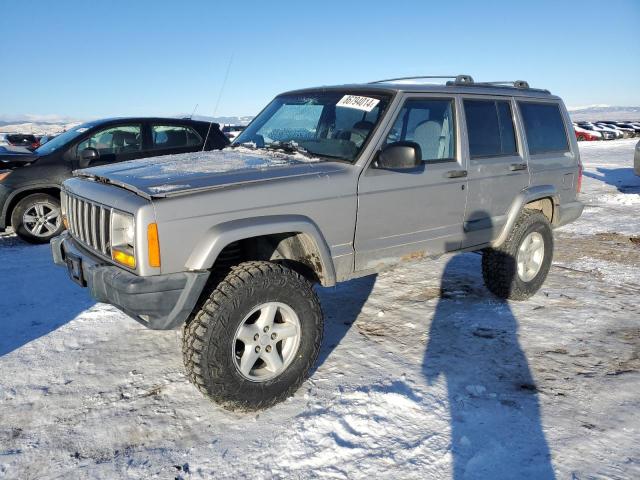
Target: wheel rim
{"x": 41, "y": 219}
{"x": 266, "y": 342}
{"x": 530, "y": 256}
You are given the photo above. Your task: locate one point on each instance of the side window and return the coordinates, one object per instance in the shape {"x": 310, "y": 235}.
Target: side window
{"x": 174, "y": 136}
{"x": 115, "y": 140}
{"x": 490, "y": 128}
{"x": 429, "y": 123}
{"x": 544, "y": 127}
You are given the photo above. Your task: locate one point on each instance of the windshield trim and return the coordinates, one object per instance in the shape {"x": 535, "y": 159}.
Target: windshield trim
{"x": 390, "y": 94}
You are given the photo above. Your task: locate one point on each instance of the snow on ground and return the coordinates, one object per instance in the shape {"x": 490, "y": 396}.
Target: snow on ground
{"x": 422, "y": 374}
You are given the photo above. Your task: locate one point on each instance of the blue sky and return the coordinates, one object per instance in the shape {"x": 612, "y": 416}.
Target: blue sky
{"x": 101, "y": 58}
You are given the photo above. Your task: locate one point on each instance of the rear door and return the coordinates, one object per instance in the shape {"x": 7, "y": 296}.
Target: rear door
{"x": 420, "y": 211}
{"x": 497, "y": 166}
{"x": 169, "y": 138}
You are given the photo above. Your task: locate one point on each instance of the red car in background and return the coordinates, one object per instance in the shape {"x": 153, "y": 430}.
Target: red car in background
{"x": 582, "y": 134}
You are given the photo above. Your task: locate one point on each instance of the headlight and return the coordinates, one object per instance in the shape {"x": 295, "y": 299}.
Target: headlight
{"x": 123, "y": 238}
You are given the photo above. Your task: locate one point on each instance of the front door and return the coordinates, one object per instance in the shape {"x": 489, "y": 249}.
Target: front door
{"x": 412, "y": 213}
{"x": 114, "y": 144}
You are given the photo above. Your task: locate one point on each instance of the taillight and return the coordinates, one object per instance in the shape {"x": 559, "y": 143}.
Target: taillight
{"x": 579, "y": 184}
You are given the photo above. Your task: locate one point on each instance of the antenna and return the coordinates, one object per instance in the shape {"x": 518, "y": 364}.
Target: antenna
{"x": 194, "y": 112}
{"x": 215, "y": 110}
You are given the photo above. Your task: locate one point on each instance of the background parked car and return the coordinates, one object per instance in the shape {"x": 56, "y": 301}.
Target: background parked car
{"x": 616, "y": 132}
{"x": 636, "y": 129}
{"x": 606, "y": 133}
{"x": 583, "y": 134}
{"x": 30, "y": 181}
{"x": 232, "y": 131}
{"x": 626, "y": 132}
{"x": 22, "y": 140}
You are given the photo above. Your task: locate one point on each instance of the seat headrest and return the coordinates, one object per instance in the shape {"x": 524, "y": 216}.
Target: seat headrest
{"x": 363, "y": 125}
{"x": 120, "y": 137}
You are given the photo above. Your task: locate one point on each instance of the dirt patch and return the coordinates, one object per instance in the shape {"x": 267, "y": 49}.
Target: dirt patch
{"x": 610, "y": 246}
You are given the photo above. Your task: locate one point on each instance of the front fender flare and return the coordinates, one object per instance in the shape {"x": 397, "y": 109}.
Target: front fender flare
{"x": 219, "y": 236}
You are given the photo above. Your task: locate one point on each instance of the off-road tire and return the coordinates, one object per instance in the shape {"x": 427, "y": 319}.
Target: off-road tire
{"x": 499, "y": 268}
{"x": 208, "y": 335}
{"x": 22, "y": 206}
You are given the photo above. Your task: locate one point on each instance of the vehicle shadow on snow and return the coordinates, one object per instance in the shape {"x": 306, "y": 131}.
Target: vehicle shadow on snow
{"x": 624, "y": 179}
{"x": 36, "y": 296}
{"x": 341, "y": 307}
{"x": 496, "y": 425}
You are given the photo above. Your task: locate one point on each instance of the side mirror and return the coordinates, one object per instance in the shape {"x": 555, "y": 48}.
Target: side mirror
{"x": 399, "y": 156}
{"x": 87, "y": 156}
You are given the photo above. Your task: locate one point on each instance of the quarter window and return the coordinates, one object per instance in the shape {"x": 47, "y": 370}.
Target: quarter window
{"x": 429, "y": 123}
{"x": 174, "y": 136}
{"x": 490, "y": 128}
{"x": 544, "y": 127}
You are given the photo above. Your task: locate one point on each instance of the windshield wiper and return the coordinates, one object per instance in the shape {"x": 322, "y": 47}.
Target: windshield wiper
{"x": 251, "y": 145}
{"x": 290, "y": 146}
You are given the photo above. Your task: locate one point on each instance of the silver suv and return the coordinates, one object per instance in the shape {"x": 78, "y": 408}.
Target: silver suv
{"x": 326, "y": 184}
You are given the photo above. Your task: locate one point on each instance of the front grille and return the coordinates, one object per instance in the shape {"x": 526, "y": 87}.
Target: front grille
{"x": 89, "y": 223}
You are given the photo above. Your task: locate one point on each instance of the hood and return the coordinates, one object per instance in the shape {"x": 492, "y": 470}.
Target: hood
{"x": 172, "y": 175}
{"x": 12, "y": 157}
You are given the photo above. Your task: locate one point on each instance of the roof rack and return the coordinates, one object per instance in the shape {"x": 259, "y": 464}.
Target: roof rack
{"x": 522, "y": 84}
{"x": 467, "y": 80}
{"x": 458, "y": 79}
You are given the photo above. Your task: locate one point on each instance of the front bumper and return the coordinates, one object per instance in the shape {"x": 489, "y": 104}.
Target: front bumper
{"x": 160, "y": 302}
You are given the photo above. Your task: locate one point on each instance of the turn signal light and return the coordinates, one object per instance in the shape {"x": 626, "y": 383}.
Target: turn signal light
{"x": 123, "y": 258}
{"x": 65, "y": 222}
{"x": 153, "y": 243}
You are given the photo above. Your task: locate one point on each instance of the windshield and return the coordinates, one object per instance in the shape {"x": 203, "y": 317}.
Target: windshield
{"x": 332, "y": 124}
{"x": 63, "y": 139}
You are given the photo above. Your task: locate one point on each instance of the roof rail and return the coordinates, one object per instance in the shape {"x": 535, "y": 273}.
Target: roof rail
{"x": 458, "y": 79}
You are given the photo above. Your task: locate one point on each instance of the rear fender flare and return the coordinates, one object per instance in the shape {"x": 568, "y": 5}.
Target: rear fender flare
{"x": 528, "y": 195}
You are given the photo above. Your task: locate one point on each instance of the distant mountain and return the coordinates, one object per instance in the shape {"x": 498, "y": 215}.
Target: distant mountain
{"x": 604, "y": 112}
{"x": 36, "y": 128}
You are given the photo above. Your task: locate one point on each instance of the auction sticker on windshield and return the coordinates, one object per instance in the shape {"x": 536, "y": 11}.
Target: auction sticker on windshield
{"x": 359, "y": 103}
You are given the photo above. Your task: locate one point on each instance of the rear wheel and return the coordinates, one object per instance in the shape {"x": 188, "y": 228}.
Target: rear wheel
{"x": 37, "y": 218}
{"x": 517, "y": 269}
{"x": 255, "y": 337}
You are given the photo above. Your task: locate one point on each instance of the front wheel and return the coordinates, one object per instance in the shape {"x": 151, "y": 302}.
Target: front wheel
{"x": 255, "y": 338}
{"x": 37, "y": 218}
{"x": 517, "y": 269}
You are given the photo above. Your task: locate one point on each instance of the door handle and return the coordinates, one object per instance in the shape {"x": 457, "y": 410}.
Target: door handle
{"x": 517, "y": 166}
{"x": 456, "y": 173}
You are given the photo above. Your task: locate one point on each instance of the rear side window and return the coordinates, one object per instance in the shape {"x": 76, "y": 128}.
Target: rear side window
{"x": 544, "y": 127}
{"x": 174, "y": 136}
{"x": 490, "y": 128}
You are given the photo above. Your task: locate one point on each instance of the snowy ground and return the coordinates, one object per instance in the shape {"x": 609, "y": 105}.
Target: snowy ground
{"x": 423, "y": 374}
